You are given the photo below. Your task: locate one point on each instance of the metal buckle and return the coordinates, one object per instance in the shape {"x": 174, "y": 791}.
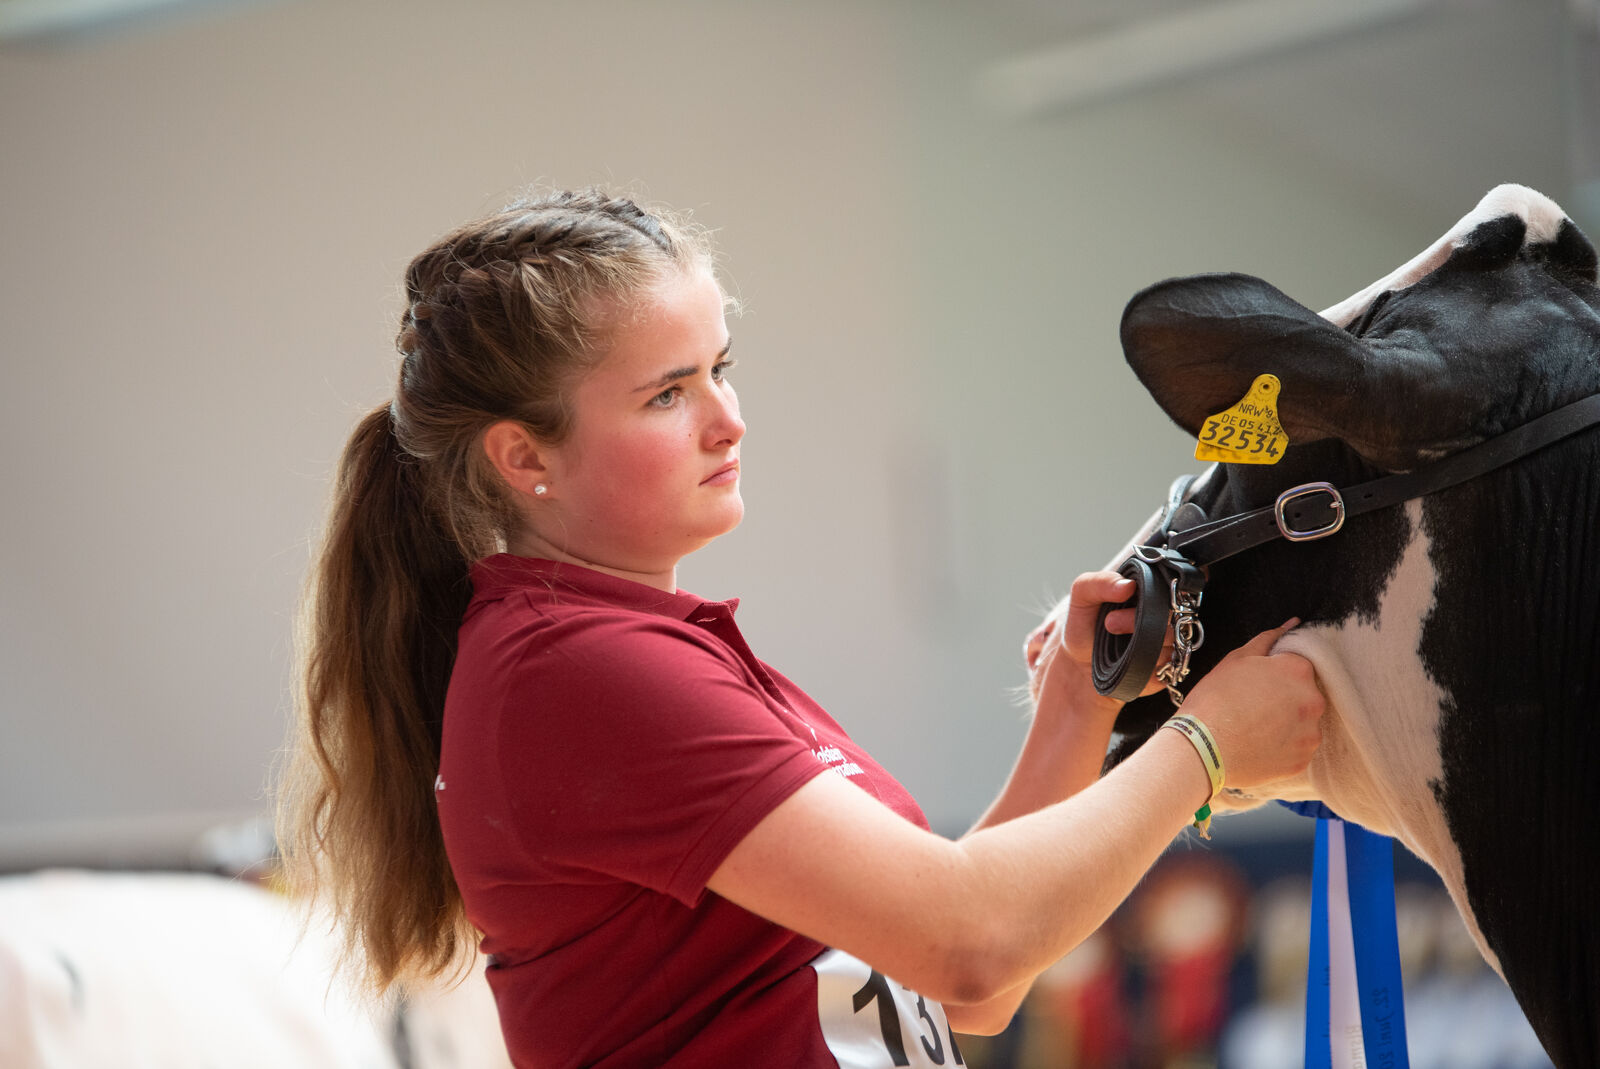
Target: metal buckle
{"x": 1295, "y": 493}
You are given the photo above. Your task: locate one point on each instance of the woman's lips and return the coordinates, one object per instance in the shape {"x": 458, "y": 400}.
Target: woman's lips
{"x": 726, "y": 474}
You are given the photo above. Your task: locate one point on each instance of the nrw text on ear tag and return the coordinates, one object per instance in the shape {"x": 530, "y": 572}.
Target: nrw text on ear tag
{"x": 1247, "y": 433}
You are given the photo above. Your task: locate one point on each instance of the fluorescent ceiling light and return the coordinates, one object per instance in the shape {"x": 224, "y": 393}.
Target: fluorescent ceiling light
{"x": 1154, "y": 51}
{"x": 35, "y": 19}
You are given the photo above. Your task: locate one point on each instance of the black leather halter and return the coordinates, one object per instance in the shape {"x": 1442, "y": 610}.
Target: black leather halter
{"x": 1168, "y": 570}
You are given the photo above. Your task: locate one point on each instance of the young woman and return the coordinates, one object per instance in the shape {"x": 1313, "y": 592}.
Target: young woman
{"x": 515, "y": 726}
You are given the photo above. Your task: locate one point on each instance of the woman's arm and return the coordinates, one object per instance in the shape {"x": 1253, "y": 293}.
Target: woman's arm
{"x": 1071, "y": 724}
{"x": 969, "y": 922}
{"x": 1066, "y": 744}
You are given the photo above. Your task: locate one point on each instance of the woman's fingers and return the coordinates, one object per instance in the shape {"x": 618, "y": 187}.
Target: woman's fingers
{"x": 1120, "y": 621}
{"x": 1265, "y": 709}
{"x": 1034, "y": 644}
{"x": 1262, "y": 644}
{"x": 1090, "y": 591}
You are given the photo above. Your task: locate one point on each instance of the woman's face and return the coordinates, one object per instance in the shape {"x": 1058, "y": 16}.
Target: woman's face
{"x": 650, "y": 471}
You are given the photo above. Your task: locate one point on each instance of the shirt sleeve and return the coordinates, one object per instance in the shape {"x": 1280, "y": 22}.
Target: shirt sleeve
{"x": 640, "y": 749}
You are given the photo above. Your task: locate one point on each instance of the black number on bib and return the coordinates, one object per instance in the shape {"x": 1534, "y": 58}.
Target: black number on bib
{"x": 877, "y": 989}
{"x": 935, "y": 1052}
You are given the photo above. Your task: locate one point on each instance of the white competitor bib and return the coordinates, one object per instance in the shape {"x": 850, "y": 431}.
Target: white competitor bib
{"x": 871, "y": 1022}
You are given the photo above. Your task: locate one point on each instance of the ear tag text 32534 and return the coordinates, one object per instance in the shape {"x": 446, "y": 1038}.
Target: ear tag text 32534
{"x": 1248, "y": 432}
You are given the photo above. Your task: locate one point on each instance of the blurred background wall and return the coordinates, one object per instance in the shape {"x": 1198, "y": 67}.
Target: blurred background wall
{"x": 933, "y": 210}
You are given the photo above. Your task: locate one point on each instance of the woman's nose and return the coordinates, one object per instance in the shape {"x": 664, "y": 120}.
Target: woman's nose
{"x": 726, "y": 424}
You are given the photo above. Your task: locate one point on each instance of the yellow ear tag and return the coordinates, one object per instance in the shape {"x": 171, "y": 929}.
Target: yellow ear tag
{"x": 1247, "y": 433}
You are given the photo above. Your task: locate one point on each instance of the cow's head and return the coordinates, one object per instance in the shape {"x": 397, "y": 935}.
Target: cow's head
{"x": 1496, "y": 323}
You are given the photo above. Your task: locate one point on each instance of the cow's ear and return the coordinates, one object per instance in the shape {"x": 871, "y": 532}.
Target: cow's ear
{"x": 1495, "y": 243}
{"x": 1570, "y": 254}
{"x": 1198, "y": 343}
{"x": 1489, "y": 245}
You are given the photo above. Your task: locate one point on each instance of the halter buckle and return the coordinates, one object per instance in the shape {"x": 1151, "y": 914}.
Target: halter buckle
{"x": 1295, "y": 493}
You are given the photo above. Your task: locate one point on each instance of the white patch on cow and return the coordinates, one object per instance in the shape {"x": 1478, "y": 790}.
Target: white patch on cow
{"x": 1380, "y": 748}
{"x": 1542, "y": 216}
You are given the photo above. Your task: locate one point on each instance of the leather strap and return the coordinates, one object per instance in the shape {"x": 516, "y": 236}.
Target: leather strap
{"x": 1123, "y": 664}
{"x": 1320, "y": 511}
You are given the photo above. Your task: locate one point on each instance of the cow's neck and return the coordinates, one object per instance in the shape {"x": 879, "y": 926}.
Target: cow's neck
{"x": 1379, "y": 759}
{"x": 1513, "y": 638}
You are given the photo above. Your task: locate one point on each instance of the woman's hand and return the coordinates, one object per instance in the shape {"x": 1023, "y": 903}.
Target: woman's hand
{"x": 1263, "y": 708}
{"x": 1071, "y": 728}
{"x": 1060, "y": 651}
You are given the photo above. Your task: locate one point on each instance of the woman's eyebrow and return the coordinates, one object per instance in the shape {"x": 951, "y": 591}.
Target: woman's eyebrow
{"x": 681, "y": 372}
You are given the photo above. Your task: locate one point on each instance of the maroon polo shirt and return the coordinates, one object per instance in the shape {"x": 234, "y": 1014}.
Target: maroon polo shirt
{"x": 606, "y": 745}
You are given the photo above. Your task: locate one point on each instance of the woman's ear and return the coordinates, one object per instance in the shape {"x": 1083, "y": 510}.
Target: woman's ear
{"x": 518, "y": 456}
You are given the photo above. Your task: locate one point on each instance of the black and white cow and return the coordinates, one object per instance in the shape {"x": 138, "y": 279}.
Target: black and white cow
{"x": 1457, "y": 636}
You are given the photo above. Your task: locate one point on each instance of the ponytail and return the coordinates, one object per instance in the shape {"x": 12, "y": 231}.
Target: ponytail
{"x": 377, "y": 640}
{"x": 503, "y": 315}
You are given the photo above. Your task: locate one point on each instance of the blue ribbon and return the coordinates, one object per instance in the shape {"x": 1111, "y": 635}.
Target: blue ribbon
{"x": 1369, "y": 860}
{"x": 1319, "y": 984}
{"x": 1369, "y": 876}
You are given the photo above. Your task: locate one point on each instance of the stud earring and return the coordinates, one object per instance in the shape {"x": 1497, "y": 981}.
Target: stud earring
{"x": 540, "y": 489}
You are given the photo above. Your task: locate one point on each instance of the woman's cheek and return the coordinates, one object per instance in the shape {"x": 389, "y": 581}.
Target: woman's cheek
{"x": 643, "y": 469}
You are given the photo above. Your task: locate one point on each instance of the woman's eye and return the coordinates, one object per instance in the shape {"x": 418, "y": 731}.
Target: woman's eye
{"x": 719, "y": 371}
{"x": 665, "y": 398}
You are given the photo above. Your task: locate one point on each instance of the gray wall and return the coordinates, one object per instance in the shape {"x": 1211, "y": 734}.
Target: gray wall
{"x": 205, "y": 220}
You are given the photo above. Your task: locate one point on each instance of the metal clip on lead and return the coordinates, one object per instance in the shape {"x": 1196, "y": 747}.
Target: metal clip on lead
{"x": 1188, "y": 634}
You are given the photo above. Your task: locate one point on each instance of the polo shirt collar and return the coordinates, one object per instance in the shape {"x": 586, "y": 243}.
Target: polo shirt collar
{"x": 554, "y": 581}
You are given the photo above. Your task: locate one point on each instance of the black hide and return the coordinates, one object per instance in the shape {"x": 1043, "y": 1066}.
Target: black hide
{"x": 1501, "y": 333}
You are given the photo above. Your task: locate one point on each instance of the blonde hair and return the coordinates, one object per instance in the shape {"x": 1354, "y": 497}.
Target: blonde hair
{"x": 504, "y": 314}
